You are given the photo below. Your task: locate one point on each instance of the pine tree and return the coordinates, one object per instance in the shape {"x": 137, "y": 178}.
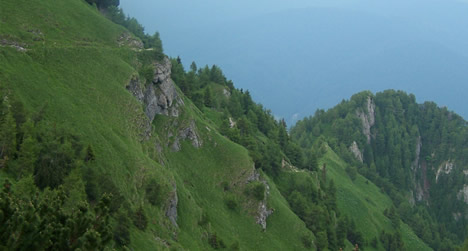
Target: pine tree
{"x": 28, "y": 153}
{"x": 139, "y": 219}
{"x": 208, "y": 98}
{"x": 193, "y": 67}
{"x": 312, "y": 163}
{"x": 322, "y": 240}
{"x": 40, "y": 223}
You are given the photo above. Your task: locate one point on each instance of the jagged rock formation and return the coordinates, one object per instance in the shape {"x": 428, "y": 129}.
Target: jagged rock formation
{"x": 162, "y": 71}
{"x": 367, "y": 118}
{"x": 160, "y": 96}
{"x": 354, "y": 148}
{"x": 444, "y": 168}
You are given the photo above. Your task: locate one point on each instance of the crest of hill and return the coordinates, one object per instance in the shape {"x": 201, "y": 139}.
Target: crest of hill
{"x": 416, "y": 153}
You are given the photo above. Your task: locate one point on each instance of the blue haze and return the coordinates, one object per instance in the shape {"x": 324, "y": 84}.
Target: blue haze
{"x": 298, "y": 56}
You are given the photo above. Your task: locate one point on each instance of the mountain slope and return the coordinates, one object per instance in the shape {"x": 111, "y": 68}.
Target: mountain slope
{"x": 362, "y": 201}
{"x": 191, "y": 162}
{"x": 416, "y": 153}
{"x": 67, "y": 63}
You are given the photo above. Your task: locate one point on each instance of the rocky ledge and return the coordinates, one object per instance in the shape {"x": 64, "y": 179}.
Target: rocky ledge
{"x": 160, "y": 96}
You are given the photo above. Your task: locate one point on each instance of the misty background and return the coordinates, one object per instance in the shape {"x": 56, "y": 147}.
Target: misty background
{"x": 298, "y": 56}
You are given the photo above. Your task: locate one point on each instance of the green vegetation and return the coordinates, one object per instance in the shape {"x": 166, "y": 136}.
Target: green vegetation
{"x": 364, "y": 204}
{"x": 104, "y": 4}
{"x": 32, "y": 221}
{"x": 84, "y": 167}
{"x": 407, "y": 148}
{"x": 237, "y": 116}
{"x": 71, "y": 79}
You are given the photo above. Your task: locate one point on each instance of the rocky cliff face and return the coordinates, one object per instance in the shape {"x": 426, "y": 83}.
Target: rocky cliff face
{"x": 417, "y": 193}
{"x": 354, "y": 148}
{"x": 160, "y": 96}
{"x": 262, "y": 212}
{"x": 417, "y": 152}
{"x": 367, "y": 118}
{"x": 445, "y": 168}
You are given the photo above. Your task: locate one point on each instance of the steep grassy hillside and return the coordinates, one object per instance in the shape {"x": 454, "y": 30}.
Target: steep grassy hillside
{"x": 416, "y": 154}
{"x": 191, "y": 162}
{"x": 67, "y": 63}
{"x": 364, "y": 202}
{"x": 360, "y": 204}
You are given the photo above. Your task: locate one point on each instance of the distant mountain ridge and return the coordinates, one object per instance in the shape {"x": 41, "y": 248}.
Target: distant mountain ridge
{"x": 416, "y": 153}
{"x": 318, "y": 56}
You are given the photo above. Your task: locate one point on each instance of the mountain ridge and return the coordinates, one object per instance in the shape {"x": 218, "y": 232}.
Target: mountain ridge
{"x": 191, "y": 162}
{"x": 407, "y": 150}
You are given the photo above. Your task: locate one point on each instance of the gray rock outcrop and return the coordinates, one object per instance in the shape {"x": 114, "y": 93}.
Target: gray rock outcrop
{"x": 419, "y": 195}
{"x": 445, "y": 168}
{"x": 354, "y": 148}
{"x": 162, "y": 71}
{"x": 262, "y": 212}
{"x": 415, "y": 163}
{"x": 254, "y": 177}
{"x": 160, "y": 96}
{"x": 135, "y": 88}
{"x": 171, "y": 209}
{"x": 21, "y": 47}
{"x": 232, "y": 123}
{"x": 127, "y": 39}
{"x": 188, "y": 133}
{"x": 463, "y": 194}
{"x": 226, "y": 93}
{"x": 367, "y": 118}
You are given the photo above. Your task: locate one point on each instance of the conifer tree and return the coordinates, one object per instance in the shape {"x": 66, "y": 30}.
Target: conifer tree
{"x": 208, "y": 98}
{"x": 28, "y": 153}
{"x": 40, "y": 223}
{"x": 193, "y": 67}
